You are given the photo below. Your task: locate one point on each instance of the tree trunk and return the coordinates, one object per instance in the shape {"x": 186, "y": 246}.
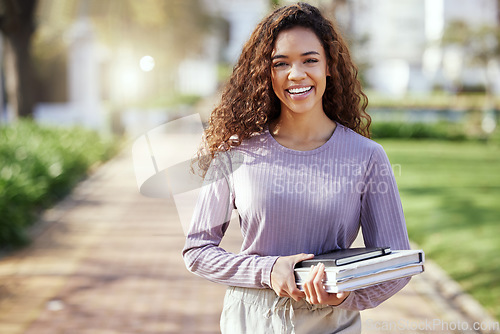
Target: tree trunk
{"x": 17, "y": 26}
{"x": 498, "y": 11}
{"x": 18, "y": 72}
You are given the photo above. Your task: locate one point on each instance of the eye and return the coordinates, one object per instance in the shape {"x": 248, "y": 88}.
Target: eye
{"x": 311, "y": 61}
{"x": 279, "y": 64}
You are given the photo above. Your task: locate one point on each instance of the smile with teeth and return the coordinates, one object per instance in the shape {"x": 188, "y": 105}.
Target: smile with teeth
{"x": 300, "y": 90}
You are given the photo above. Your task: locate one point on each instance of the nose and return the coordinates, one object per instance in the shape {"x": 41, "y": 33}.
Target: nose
{"x": 296, "y": 73}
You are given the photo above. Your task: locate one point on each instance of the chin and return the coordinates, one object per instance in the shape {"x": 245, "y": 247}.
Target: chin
{"x": 301, "y": 109}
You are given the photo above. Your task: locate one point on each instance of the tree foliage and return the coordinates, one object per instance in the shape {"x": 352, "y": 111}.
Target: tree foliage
{"x": 36, "y": 67}
{"x": 480, "y": 45}
{"x": 176, "y": 25}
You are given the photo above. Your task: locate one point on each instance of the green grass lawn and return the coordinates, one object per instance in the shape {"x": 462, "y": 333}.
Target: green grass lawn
{"x": 451, "y": 198}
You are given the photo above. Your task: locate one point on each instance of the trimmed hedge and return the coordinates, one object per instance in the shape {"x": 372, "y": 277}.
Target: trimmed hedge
{"x": 39, "y": 166}
{"x": 443, "y": 131}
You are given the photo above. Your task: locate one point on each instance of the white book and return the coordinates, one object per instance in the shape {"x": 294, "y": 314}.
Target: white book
{"x": 355, "y": 283}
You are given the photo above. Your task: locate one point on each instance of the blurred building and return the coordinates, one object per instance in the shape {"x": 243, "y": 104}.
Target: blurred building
{"x": 198, "y": 75}
{"x": 242, "y": 16}
{"x": 403, "y": 49}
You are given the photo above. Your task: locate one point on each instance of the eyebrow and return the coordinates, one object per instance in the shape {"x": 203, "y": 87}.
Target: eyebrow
{"x": 302, "y": 55}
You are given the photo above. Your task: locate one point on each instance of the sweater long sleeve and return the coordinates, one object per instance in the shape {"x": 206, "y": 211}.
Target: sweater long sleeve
{"x": 202, "y": 253}
{"x": 292, "y": 202}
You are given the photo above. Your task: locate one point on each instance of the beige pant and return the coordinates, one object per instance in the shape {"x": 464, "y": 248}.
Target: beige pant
{"x": 256, "y": 311}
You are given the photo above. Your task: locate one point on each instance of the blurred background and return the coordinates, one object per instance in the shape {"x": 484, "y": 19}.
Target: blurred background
{"x": 102, "y": 63}
{"x": 81, "y": 77}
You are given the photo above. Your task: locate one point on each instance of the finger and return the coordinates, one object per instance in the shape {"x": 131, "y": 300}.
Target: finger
{"x": 336, "y": 298}
{"x": 318, "y": 285}
{"x": 281, "y": 292}
{"x": 301, "y": 257}
{"x": 293, "y": 291}
{"x": 314, "y": 284}
{"x": 311, "y": 273}
{"x": 309, "y": 294}
{"x": 289, "y": 288}
{"x": 296, "y": 294}
{"x": 319, "y": 278}
{"x": 341, "y": 296}
{"x": 312, "y": 289}
{"x": 306, "y": 285}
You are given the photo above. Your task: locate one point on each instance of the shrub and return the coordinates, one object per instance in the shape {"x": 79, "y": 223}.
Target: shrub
{"x": 40, "y": 165}
{"x": 444, "y": 131}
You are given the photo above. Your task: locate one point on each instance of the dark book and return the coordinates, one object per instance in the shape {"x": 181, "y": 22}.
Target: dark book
{"x": 342, "y": 257}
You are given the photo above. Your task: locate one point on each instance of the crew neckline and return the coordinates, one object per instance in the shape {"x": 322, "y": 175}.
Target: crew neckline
{"x": 318, "y": 149}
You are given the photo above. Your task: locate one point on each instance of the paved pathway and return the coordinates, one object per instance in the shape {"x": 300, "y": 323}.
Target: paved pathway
{"x": 107, "y": 260}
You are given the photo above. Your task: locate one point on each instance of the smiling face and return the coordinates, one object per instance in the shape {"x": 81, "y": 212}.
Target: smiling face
{"x": 299, "y": 71}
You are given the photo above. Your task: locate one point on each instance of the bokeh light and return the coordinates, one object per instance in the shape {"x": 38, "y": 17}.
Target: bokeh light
{"x": 147, "y": 63}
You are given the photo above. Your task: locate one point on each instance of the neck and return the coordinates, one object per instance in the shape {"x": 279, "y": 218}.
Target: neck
{"x": 303, "y": 127}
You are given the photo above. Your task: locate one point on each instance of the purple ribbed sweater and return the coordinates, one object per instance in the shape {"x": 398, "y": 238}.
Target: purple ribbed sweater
{"x": 292, "y": 202}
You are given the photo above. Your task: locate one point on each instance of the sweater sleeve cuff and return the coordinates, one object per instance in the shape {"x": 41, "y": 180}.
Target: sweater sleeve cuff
{"x": 348, "y": 303}
{"x": 267, "y": 265}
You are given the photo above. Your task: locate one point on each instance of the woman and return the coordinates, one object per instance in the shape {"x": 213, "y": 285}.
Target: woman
{"x": 287, "y": 148}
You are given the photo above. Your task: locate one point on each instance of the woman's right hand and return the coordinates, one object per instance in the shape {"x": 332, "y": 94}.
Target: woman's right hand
{"x": 283, "y": 278}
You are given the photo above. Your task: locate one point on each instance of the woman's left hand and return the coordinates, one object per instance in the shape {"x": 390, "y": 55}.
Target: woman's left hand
{"x": 315, "y": 290}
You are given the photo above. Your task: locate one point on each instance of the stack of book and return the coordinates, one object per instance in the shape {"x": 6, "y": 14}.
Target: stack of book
{"x": 355, "y": 268}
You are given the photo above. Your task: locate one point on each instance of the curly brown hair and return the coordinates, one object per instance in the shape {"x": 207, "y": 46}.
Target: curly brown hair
{"x": 248, "y": 103}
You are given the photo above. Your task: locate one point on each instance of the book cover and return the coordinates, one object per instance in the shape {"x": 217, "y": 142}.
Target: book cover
{"x": 342, "y": 257}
